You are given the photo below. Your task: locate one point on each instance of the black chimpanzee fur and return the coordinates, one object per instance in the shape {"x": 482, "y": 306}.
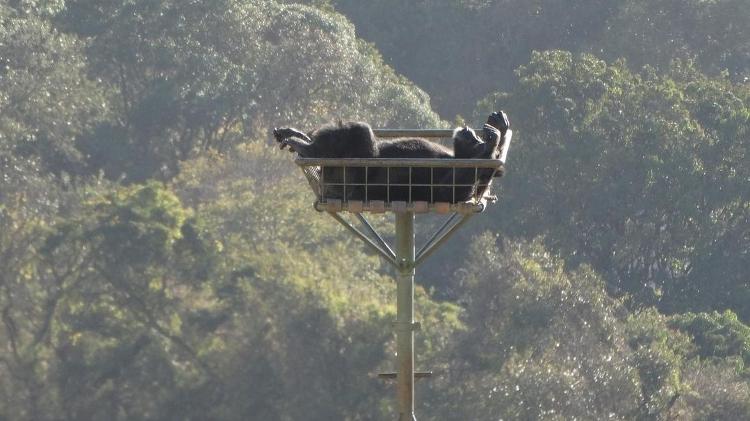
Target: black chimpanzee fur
{"x": 357, "y": 140}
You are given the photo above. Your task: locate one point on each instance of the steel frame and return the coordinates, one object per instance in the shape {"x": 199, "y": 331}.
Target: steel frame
{"x": 405, "y": 258}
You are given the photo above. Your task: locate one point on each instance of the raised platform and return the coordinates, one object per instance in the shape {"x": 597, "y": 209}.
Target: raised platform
{"x": 460, "y": 187}
{"x": 401, "y": 185}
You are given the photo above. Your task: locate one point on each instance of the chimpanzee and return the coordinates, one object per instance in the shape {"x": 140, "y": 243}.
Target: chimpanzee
{"x": 357, "y": 140}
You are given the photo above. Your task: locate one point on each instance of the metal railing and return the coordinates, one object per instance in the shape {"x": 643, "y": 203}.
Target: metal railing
{"x": 400, "y": 185}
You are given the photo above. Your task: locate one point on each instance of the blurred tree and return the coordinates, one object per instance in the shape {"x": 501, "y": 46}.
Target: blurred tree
{"x": 326, "y": 303}
{"x": 182, "y": 90}
{"x": 221, "y": 296}
{"x": 714, "y": 392}
{"x": 114, "y": 314}
{"x": 717, "y": 336}
{"x": 41, "y": 8}
{"x": 714, "y": 33}
{"x": 28, "y": 295}
{"x": 542, "y": 342}
{"x": 46, "y": 101}
{"x": 539, "y": 343}
{"x": 638, "y": 174}
{"x": 482, "y": 42}
{"x": 460, "y": 50}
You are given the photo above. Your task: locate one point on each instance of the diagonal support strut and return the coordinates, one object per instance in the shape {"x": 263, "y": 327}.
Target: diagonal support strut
{"x": 405, "y": 260}
{"x": 375, "y": 234}
{"x": 441, "y": 235}
{"x": 381, "y": 247}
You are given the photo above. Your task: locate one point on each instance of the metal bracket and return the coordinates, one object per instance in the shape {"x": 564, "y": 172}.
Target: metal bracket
{"x": 417, "y": 375}
{"x": 414, "y": 326}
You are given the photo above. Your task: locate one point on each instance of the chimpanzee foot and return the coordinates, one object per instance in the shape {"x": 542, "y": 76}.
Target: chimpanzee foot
{"x": 286, "y": 132}
{"x": 499, "y": 120}
{"x": 295, "y": 144}
{"x": 281, "y": 134}
{"x": 491, "y": 133}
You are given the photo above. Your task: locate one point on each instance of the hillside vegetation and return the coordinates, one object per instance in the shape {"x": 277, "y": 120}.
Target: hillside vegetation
{"x": 160, "y": 258}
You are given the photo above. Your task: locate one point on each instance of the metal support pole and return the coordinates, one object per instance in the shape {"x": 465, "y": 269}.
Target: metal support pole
{"x": 405, "y": 259}
{"x": 405, "y": 314}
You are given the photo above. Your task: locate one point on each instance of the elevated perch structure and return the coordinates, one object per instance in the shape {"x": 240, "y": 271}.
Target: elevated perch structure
{"x": 428, "y": 180}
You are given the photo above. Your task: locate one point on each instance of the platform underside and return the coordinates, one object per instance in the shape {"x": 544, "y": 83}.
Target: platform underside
{"x": 379, "y": 206}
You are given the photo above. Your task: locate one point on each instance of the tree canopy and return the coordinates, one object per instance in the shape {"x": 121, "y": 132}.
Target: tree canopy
{"x": 159, "y": 257}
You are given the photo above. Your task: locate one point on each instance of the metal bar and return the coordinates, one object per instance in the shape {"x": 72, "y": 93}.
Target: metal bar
{"x": 432, "y": 181}
{"x": 506, "y": 146}
{"x": 372, "y": 231}
{"x": 445, "y": 225}
{"x": 454, "y": 186}
{"x": 434, "y": 246}
{"x": 405, "y": 315}
{"x": 365, "y": 238}
{"x": 388, "y": 184}
{"x": 461, "y": 208}
{"x": 417, "y": 375}
{"x": 401, "y": 162}
{"x": 410, "y": 186}
{"x": 440, "y": 133}
{"x": 322, "y": 181}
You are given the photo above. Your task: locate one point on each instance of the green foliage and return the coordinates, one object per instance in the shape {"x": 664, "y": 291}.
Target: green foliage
{"x": 43, "y": 8}
{"x": 222, "y": 295}
{"x": 636, "y": 174}
{"x": 656, "y": 32}
{"x": 434, "y": 43}
{"x": 460, "y": 50}
{"x": 659, "y": 355}
{"x": 714, "y": 392}
{"x": 27, "y": 206}
{"x": 543, "y": 342}
{"x": 717, "y": 336}
{"x": 46, "y": 101}
{"x": 91, "y": 314}
{"x": 180, "y": 90}
{"x": 136, "y": 226}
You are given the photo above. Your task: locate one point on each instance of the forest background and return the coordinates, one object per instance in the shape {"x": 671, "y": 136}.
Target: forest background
{"x": 160, "y": 258}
